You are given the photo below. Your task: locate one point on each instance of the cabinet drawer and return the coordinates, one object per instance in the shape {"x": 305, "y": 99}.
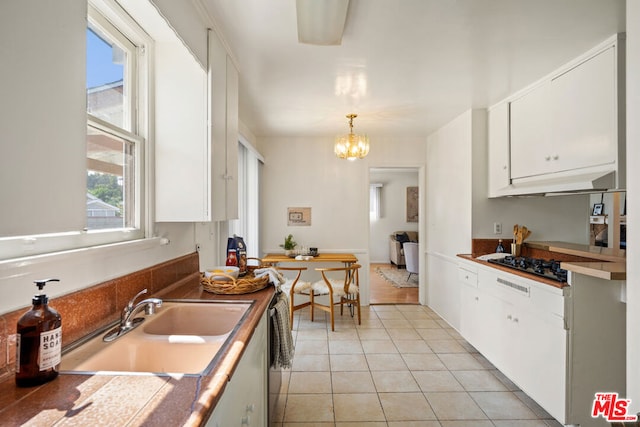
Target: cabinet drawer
{"x": 468, "y": 277}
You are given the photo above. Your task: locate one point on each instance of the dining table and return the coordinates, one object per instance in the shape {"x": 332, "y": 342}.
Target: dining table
{"x": 277, "y": 258}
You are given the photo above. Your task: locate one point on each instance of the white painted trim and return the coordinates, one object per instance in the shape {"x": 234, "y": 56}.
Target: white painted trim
{"x": 120, "y": 248}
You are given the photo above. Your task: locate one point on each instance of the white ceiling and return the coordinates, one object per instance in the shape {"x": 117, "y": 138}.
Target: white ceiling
{"x": 404, "y": 66}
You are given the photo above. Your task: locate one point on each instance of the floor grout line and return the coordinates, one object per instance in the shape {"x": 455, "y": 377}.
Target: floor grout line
{"x": 302, "y": 323}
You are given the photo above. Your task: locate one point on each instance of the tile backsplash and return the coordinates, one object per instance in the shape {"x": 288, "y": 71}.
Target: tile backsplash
{"x": 90, "y": 309}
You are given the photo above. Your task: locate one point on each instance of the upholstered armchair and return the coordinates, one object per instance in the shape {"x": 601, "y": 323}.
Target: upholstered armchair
{"x": 396, "y": 252}
{"x": 411, "y": 257}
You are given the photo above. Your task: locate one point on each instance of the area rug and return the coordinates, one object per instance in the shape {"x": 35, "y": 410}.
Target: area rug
{"x": 398, "y": 278}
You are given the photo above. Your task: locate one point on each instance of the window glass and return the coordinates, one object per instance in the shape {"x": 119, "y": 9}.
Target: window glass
{"x": 110, "y": 180}
{"x": 375, "y": 192}
{"x": 107, "y": 65}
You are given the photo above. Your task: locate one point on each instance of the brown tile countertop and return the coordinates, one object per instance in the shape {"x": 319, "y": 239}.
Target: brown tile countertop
{"x": 594, "y": 261}
{"x": 138, "y": 400}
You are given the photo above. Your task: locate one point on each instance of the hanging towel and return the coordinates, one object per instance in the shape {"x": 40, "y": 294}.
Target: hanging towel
{"x": 282, "y": 339}
{"x": 274, "y": 275}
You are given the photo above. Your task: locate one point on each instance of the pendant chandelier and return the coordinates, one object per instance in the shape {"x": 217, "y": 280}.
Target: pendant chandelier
{"x": 351, "y": 146}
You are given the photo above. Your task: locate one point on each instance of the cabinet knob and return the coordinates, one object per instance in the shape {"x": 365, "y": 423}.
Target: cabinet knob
{"x": 477, "y": 299}
{"x": 547, "y": 158}
{"x": 251, "y": 407}
{"x": 515, "y": 319}
{"x": 504, "y": 168}
{"x": 556, "y": 157}
{"x": 245, "y": 420}
{"x": 466, "y": 277}
{"x": 509, "y": 317}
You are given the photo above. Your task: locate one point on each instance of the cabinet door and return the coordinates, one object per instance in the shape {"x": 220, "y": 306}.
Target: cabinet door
{"x": 231, "y": 189}
{"x": 181, "y": 147}
{"x": 244, "y": 400}
{"x": 499, "y": 172}
{"x": 223, "y": 102}
{"x": 218, "y": 126}
{"x": 529, "y": 132}
{"x": 471, "y": 324}
{"x": 583, "y": 105}
{"x": 539, "y": 362}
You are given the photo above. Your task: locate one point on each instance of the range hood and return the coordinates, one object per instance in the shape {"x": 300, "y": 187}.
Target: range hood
{"x": 558, "y": 184}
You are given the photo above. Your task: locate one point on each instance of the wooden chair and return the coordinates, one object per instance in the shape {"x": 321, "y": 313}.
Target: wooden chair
{"x": 343, "y": 290}
{"x": 294, "y": 286}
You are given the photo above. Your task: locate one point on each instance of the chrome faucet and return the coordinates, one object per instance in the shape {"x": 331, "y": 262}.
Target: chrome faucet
{"x": 128, "y": 319}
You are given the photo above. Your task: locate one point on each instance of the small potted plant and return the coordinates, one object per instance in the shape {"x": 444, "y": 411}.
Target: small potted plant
{"x": 289, "y": 245}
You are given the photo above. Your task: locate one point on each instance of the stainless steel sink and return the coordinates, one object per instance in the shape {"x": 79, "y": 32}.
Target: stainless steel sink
{"x": 183, "y": 337}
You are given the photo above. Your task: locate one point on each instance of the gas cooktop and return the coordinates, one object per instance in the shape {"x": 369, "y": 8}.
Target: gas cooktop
{"x": 549, "y": 269}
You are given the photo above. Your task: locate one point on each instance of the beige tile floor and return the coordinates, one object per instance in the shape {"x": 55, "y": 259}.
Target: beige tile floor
{"x": 404, "y": 366}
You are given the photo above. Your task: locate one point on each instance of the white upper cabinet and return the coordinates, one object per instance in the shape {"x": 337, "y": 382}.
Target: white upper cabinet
{"x": 583, "y": 114}
{"x": 223, "y": 131}
{"x": 181, "y": 147}
{"x": 566, "y": 131}
{"x": 196, "y": 135}
{"x": 530, "y": 139}
{"x": 499, "y": 169}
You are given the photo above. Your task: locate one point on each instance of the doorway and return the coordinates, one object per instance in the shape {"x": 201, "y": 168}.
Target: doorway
{"x": 388, "y": 214}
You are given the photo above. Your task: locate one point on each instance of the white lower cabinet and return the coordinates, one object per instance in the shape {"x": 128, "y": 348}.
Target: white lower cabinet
{"x": 526, "y": 343}
{"x": 559, "y": 346}
{"x": 244, "y": 401}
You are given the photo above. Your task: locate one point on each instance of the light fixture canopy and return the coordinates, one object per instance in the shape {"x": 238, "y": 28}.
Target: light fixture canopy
{"x": 351, "y": 146}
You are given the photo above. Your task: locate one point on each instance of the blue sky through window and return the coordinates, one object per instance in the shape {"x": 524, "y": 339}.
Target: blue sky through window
{"x": 100, "y": 66}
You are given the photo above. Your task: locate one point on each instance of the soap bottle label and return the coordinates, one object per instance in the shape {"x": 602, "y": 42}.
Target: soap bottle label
{"x": 50, "y": 348}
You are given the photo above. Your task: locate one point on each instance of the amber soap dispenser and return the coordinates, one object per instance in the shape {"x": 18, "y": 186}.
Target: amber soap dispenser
{"x": 38, "y": 341}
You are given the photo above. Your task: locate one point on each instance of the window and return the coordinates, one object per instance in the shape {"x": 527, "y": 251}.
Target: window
{"x": 64, "y": 211}
{"x": 113, "y": 141}
{"x": 375, "y": 194}
{"x": 247, "y": 224}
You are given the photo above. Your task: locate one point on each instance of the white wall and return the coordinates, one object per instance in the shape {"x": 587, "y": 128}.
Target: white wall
{"x": 392, "y": 209}
{"x": 633, "y": 204}
{"x": 42, "y": 116}
{"x": 304, "y": 172}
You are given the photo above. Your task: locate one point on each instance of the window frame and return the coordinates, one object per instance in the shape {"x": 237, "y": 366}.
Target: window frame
{"x": 375, "y": 201}
{"x": 248, "y": 223}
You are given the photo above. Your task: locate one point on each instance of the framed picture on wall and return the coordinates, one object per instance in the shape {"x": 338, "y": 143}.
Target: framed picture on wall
{"x": 298, "y": 216}
{"x": 412, "y": 204}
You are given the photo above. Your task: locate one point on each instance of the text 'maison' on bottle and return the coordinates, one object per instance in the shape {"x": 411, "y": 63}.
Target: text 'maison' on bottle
{"x": 38, "y": 341}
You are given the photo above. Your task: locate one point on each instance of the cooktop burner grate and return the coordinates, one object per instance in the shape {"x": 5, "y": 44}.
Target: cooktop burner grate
{"x": 549, "y": 269}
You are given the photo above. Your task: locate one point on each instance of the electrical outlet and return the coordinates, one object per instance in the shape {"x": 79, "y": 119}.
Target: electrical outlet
{"x": 497, "y": 228}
